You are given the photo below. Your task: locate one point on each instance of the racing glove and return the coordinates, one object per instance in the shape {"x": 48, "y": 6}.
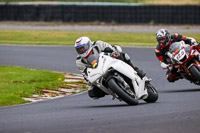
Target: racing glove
{"x": 164, "y": 66}
{"x": 108, "y": 50}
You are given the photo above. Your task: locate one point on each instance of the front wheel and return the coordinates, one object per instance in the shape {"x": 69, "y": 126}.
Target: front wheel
{"x": 195, "y": 72}
{"x": 121, "y": 93}
{"x": 152, "y": 93}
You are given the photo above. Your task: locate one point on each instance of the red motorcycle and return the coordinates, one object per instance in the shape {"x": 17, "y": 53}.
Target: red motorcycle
{"x": 186, "y": 59}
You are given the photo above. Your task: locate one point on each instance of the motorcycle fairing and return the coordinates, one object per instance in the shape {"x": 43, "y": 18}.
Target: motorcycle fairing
{"x": 107, "y": 62}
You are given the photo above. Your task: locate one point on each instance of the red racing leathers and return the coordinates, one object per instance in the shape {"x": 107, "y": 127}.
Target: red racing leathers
{"x": 161, "y": 51}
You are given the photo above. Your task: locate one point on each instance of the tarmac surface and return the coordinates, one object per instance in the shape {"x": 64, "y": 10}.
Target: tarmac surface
{"x": 176, "y": 111}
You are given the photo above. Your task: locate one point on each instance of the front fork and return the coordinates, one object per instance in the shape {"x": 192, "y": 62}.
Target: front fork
{"x": 122, "y": 83}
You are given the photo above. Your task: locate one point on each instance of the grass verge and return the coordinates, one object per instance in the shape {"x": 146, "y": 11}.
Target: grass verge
{"x": 35, "y": 37}
{"x": 18, "y": 82}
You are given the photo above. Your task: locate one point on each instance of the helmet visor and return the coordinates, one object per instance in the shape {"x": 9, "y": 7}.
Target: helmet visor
{"x": 80, "y": 49}
{"x": 161, "y": 40}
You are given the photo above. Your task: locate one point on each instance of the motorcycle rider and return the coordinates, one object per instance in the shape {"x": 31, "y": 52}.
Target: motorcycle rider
{"x": 84, "y": 47}
{"x": 165, "y": 40}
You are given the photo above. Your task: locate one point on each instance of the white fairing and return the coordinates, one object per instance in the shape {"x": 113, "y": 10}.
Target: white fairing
{"x": 180, "y": 55}
{"x": 106, "y": 62}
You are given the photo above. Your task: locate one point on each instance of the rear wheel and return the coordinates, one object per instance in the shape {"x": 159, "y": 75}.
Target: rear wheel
{"x": 152, "y": 93}
{"x": 122, "y": 93}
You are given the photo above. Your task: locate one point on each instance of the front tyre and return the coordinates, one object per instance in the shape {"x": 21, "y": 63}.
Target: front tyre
{"x": 152, "y": 93}
{"x": 195, "y": 72}
{"x": 121, "y": 93}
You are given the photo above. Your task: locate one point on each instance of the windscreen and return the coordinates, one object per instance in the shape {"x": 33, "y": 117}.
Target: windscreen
{"x": 93, "y": 60}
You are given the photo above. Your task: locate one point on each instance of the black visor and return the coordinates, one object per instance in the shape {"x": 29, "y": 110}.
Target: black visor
{"x": 160, "y": 39}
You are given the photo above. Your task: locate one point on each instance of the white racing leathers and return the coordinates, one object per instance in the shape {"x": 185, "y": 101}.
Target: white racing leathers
{"x": 98, "y": 47}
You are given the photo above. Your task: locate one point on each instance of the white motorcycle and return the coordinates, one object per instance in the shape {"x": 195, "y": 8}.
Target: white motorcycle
{"x": 119, "y": 79}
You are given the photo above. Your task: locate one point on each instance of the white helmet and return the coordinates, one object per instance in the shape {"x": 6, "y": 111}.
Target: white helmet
{"x": 83, "y": 46}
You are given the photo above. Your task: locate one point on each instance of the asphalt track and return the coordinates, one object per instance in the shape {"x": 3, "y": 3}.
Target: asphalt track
{"x": 176, "y": 111}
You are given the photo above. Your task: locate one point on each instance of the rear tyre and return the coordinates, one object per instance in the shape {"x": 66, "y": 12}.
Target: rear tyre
{"x": 152, "y": 93}
{"x": 121, "y": 93}
{"x": 195, "y": 72}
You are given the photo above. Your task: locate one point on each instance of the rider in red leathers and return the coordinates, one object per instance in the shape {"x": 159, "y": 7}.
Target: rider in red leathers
{"x": 165, "y": 40}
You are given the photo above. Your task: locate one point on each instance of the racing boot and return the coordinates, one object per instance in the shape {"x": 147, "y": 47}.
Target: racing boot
{"x": 127, "y": 59}
{"x": 141, "y": 74}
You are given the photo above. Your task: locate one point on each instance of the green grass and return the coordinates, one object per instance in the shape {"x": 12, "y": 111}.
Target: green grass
{"x": 24, "y": 37}
{"x": 18, "y": 82}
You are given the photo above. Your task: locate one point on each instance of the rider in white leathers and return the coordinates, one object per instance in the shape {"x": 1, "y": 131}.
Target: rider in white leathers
{"x": 84, "y": 47}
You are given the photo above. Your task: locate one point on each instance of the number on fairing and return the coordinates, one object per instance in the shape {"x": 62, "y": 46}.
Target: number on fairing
{"x": 180, "y": 55}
